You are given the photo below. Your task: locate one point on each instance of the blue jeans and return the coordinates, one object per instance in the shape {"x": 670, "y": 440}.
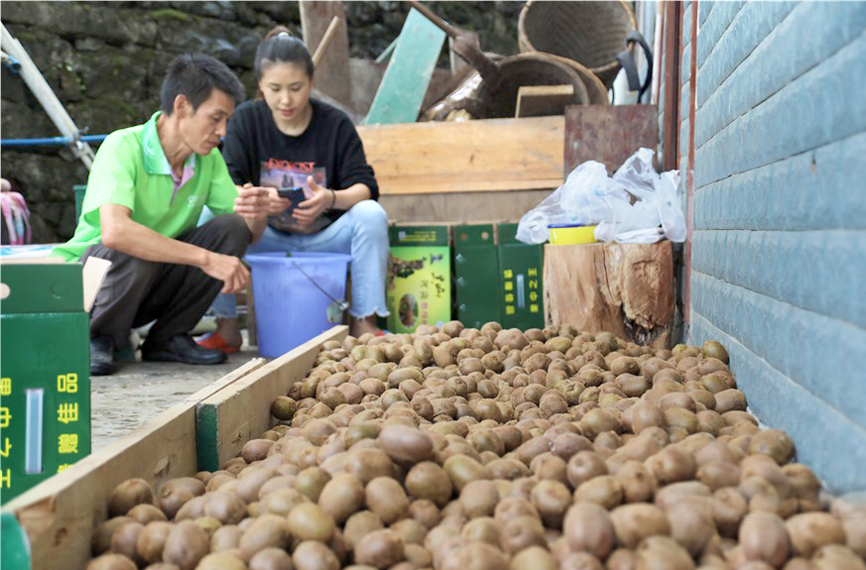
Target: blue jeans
{"x": 362, "y": 232}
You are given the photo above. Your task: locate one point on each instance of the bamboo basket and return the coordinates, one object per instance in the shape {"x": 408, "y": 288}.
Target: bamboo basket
{"x": 590, "y": 33}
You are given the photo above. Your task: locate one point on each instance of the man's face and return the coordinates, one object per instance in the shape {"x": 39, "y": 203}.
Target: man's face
{"x": 201, "y": 129}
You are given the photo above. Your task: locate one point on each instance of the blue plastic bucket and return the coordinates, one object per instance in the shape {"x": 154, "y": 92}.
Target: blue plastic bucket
{"x": 290, "y": 308}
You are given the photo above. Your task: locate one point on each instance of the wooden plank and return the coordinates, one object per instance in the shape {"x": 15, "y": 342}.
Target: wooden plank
{"x": 60, "y": 514}
{"x": 467, "y": 207}
{"x": 326, "y": 40}
{"x": 240, "y": 412}
{"x": 541, "y": 100}
{"x": 608, "y": 133}
{"x": 332, "y": 75}
{"x": 471, "y": 156}
{"x": 625, "y": 289}
{"x": 673, "y": 57}
{"x": 410, "y": 68}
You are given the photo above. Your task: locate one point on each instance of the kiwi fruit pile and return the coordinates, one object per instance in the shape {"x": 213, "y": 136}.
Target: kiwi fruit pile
{"x": 483, "y": 449}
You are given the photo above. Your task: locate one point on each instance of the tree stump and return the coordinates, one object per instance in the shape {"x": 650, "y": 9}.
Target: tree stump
{"x": 624, "y": 289}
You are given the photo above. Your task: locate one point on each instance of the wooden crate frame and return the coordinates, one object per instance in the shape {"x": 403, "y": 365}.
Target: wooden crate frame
{"x": 60, "y": 514}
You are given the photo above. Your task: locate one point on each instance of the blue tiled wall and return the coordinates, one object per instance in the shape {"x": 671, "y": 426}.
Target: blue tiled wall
{"x": 779, "y": 242}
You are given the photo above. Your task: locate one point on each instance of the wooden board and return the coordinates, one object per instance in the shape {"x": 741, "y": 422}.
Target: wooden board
{"x": 625, "y": 289}
{"x": 60, "y": 514}
{"x": 402, "y": 90}
{"x": 608, "y": 133}
{"x": 472, "y": 156}
{"x": 466, "y": 207}
{"x": 238, "y": 413}
{"x": 541, "y": 100}
{"x": 332, "y": 74}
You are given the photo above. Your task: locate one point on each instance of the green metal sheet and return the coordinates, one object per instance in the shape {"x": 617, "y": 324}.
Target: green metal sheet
{"x": 405, "y": 82}
{"x": 44, "y": 397}
{"x": 42, "y": 288}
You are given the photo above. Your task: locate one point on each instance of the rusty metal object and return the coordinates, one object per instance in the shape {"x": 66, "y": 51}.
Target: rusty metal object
{"x": 608, "y": 133}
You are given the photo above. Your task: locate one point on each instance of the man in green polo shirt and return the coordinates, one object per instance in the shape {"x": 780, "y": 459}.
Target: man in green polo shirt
{"x": 145, "y": 193}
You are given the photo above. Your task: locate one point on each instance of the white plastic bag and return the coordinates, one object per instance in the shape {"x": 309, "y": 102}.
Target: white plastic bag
{"x": 580, "y": 200}
{"x": 628, "y": 208}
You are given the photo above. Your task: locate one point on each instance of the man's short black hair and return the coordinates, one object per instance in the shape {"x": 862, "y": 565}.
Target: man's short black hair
{"x": 195, "y": 76}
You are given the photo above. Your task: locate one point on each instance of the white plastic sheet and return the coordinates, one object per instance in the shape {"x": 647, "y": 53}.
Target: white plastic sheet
{"x": 636, "y": 205}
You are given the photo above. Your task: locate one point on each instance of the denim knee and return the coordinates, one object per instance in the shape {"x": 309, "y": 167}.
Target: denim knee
{"x": 369, "y": 215}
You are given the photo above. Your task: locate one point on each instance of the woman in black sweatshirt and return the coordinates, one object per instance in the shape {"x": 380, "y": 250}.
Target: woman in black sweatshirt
{"x": 285, "y": 139}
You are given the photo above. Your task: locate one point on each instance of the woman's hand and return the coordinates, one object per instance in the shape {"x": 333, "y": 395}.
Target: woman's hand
{"x": 313, "y": 207}
{"x": 276, "y": 205}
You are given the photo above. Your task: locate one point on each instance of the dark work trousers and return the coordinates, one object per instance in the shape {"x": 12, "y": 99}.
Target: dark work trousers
{"x": 136, "y": 292}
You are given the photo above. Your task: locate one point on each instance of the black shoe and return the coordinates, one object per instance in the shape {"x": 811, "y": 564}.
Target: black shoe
{"x": 182, "y": 348}
{"x": 102, "y": 356}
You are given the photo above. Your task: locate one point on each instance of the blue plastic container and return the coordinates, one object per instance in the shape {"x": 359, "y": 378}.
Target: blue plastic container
{"x": 290, "y": 308}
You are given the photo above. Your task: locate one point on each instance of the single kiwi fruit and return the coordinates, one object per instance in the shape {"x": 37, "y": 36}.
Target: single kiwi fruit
{"x": 604, "y": 490}
{"x": 128, "y": 494}
{"x": 341, "y": 497}
{"x": 225, "y": 506}
{"x": 663, "y": 553}
{"x": 837, "y": 557}
{"x": 100, "y": 542}
{"x": 379, "y": 549}
{"x": 588, "y": 528}
{"x": 811, "y": 531}
{"x": 764, "y": 538}
{"x": 221, "y": 561}
{"x": 672, "y": 464}
{"x": 359, "y": 525}
{"x": 387, "y": 499}
{"x": 638, "y": 484}
{"x": 308, "y": 521}
{"x": 635, "y": 522}
{"x": 111, "y": 561}
{"x": 226, "y": 537}
{"x": 522, "y": 532}
{"x": 692, "y": 526}
{"x": 533, "y": 558}
{"x": 314, "y": 555}
{"x": 186, "y": 545}
{"x": 427, "y": 480}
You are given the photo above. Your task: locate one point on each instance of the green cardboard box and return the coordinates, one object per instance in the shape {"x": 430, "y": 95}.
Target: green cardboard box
{"x": 476, "y": 269}
{"x": 44, "y": 374}
{"x": 418, "y": 288}
{"x": 521, "y": 291}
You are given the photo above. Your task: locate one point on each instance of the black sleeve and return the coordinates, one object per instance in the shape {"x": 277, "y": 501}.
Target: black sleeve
{"x": 238, "y": 149}
{"x": 351, "y": 162}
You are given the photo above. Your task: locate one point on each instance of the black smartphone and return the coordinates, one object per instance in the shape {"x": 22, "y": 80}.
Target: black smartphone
{"x": 295, "y": 195}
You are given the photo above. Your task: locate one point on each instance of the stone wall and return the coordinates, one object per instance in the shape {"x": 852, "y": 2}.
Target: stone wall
{"x": 105, "y": 61}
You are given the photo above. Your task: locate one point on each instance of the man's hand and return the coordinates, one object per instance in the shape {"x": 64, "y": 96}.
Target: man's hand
{"x": 228, "y": 269}
{"x": 313, "y": 207}
{"x": 252, "y": 202}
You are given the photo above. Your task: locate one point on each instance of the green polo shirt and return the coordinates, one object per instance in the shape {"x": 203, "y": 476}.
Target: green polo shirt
{"x": 130, "y": 169}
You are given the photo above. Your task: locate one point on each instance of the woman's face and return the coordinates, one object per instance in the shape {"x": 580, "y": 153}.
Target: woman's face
{"x": 286, "y": 88}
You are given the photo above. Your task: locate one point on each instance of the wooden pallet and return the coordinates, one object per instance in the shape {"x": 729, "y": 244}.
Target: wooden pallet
{"x": 60, "y": 514}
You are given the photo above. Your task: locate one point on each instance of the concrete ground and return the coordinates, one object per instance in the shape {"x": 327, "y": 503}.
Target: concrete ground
{"x": 139, "y": 391}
